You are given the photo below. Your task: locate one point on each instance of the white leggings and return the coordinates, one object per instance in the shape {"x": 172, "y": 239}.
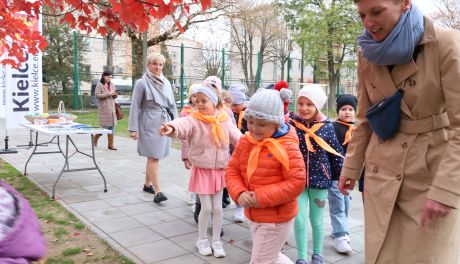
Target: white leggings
{"x": 210, "y": 203}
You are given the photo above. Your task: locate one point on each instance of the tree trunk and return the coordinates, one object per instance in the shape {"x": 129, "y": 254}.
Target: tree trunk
{"x": 109, "y": 63}
{"x": 138, "y": 68}
{"x": 332, "y": 79}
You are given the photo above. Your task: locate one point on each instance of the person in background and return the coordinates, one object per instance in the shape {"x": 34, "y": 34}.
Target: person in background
{"x": 226, "y": 98}
{"x": 338, "y": 203}
{"x": 208, "y": 132}
{"x": 21, "y": 238}
{"x": 106, "y": 92}
{"x": 238, "y": 92}
{"x": 265, "y": 175}
{"x": 323, "y": 158}
{"x": 412, "y": 179}
{"x": 152, "y": 105}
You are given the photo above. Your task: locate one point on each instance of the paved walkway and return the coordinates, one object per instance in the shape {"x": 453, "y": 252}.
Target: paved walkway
{"x": 131, "y": 223}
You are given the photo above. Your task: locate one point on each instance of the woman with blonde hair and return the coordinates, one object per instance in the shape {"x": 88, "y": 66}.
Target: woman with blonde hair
{"x": 152, "y": 105}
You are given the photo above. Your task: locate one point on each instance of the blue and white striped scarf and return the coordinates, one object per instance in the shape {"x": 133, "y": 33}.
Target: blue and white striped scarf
{"x": 399, "y": 45}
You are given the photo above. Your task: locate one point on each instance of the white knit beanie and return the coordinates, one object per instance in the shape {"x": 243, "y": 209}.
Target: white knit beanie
{"x": 214, "y": 82}
{"x": 315, "y": 93}
{"x": 266, "y": 105}
{"x": 285, "y": 95}
{"x": 209, "y": 92}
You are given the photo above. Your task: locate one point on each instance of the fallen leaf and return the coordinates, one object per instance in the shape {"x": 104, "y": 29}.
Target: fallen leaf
{"x": 231, "y": 241}
{"x": 89, "y": 254}
{"x": 76, "y": 234}
{"x": 54, "y": 240}
{"x": 86, "y": 249}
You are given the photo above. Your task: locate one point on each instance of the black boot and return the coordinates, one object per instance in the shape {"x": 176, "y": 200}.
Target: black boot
{"x": 225, "y": 197}
{"x": 197, "y": 211}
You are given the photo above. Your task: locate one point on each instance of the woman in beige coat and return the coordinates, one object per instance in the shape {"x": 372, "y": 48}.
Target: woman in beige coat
{"x": 105, "y": 94}
{"x": 412, "y": 181}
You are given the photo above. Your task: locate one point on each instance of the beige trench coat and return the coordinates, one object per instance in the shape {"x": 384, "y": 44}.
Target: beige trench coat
{"x": 106, "y": 105}
{"x": 422, "y": 160}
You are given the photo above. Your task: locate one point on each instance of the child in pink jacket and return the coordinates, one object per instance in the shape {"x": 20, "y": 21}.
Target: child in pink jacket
{"x": 208, "y": 132}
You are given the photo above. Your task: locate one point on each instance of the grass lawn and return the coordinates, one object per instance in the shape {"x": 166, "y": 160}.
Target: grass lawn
{"x": 68, "y": 239}
{"x": 121, "y": 129}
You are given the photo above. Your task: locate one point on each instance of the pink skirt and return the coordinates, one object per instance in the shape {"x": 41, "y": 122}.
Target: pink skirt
{"x": 206, "y": 181}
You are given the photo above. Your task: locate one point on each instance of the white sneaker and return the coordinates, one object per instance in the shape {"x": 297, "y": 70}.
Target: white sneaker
{"x": 239, "y": 215}
{"x": 348, "y": 238}
{"x": 341, "y": 245}
{"x": 190, "y": 197}
{"x": 203, "y": 247}
{"x": 218, "y": 249}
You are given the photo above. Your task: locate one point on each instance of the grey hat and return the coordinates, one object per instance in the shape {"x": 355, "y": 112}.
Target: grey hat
{"x": 285, "y": 94}
{"x": 238, "y": 93}
{"x": 209, "y": 92}
{"x": 266, "y": 105}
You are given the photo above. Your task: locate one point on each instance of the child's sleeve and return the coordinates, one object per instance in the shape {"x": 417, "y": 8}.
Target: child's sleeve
{"x": 334, "y": 160}
{"x": 233, "y": 176}
{"x": 234, "y": 133}
{"x": 291, "y": 187}
{"x": 183, "y": 127}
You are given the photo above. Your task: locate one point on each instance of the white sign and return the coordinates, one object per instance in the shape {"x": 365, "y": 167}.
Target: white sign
{"x": 21, "y": 89}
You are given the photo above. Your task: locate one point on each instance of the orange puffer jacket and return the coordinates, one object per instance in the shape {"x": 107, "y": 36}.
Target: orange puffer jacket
{"x": 276, "y": 188}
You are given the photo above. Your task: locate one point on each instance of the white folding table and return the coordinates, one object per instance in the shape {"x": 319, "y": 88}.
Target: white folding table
{"x": 66, "y": 130}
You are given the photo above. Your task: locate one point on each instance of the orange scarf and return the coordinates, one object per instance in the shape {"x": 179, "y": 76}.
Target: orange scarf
{"x": 349, "y": 131}
{"x": 275, "y": 148}
{"x": 216, "y": 126}
{"x": 240, "y": 120}
{"x": 310, "y": 132}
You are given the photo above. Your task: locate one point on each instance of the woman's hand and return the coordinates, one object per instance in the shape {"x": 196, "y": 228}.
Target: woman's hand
{"x": 133, "y": 135}
{"x": 166, "y": 130}
{"x": 346, "y": 185}
{"x": 433, "y": 209}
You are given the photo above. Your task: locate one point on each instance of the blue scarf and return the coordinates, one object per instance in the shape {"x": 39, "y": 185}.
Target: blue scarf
{"x": 399, "y": 45}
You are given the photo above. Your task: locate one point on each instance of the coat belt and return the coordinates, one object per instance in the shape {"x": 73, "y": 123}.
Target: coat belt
{"x": 428, "y": 124}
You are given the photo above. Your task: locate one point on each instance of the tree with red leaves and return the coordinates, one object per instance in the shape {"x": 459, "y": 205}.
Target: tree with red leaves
{"x": 17, "y": 37}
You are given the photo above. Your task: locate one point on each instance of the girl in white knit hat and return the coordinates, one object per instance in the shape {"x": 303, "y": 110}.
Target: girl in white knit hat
{"x": 323, "y": 159}
{"x": 265, "y": 175}
{"x": 208, "y": 132}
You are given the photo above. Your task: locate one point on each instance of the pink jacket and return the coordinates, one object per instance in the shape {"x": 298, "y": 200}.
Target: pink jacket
{"x": 203, "y": 152}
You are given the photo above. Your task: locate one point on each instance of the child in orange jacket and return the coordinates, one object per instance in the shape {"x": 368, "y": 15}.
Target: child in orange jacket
{"x": 265, "y": 175}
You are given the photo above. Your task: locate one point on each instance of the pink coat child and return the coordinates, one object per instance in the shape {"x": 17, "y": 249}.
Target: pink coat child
{"x": 208, "y": 133}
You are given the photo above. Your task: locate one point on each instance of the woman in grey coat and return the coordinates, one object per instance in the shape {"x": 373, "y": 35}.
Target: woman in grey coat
{"x": 152, "y": 105}
{"x": 105, "y": 94}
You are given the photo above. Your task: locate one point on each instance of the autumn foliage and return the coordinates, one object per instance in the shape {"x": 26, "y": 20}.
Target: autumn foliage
{"x": 16, "y": 17}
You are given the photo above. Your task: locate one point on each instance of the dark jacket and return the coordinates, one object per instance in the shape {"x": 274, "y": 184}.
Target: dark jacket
{"x": 322, "y": 167}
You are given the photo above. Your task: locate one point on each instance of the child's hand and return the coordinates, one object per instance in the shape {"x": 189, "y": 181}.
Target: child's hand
{"x": 245, "y": 199}
{"x": 187, "y": 164}
{"x": 253, "y": 199}
{"x": 166, "y": 130}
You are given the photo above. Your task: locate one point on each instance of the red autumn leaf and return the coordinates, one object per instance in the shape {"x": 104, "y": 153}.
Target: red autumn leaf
{"x": 76, "y": 234}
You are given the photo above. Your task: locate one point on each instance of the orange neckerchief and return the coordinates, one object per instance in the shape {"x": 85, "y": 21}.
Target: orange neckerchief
{"x": 216, "y": 126}
{"x": 240, "y": 120}
{"x": 349, "y": 131}
{"x": 275, "y": 148}
{"x": 310, "y": 132}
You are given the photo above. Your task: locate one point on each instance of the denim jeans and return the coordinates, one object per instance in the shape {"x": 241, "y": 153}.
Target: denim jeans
{"x": 338, "y": 210}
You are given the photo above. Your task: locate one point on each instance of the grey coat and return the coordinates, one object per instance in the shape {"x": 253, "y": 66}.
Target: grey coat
{"x": 106, "y": 105}
{"x": 148, "y": 113}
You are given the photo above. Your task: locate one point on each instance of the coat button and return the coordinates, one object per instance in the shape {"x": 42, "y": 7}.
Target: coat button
{"x": 375, "y": 170}
{"x": 398, "y": 176}
{"x": 372, "y": 85}
{"x": 404, "y": 145}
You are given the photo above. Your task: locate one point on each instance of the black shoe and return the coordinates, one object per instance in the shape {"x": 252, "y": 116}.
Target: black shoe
{"x": 149, "y": 189}
{"x": 159, "y": 197}
{"x": 221, "y": 232}
{"x": 224, "y": 205}
{"x": 226, "y": 198}
{"x": 197, "y": 211}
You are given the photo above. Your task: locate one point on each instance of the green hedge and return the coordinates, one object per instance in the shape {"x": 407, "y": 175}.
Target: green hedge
{"x": 53, "y": 101}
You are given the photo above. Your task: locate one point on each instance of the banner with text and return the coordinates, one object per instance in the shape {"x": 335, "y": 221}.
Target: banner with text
{"x": 21, "y": 89}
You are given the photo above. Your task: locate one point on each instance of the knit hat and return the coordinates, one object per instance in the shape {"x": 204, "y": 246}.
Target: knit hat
{"x": 315, "y": 93}
{"x": 213, "y": 81}
{"x": 280, "y": 85}
{"x": 346, "y": 99}
{"x": 285, "y": 95}
{"x": 266, "y": 105}
{"x": 192, "y": 89}
{"x": 238, "y": 93}
{"x": 270, "y": 86}
{"x": 209, "y": 92}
